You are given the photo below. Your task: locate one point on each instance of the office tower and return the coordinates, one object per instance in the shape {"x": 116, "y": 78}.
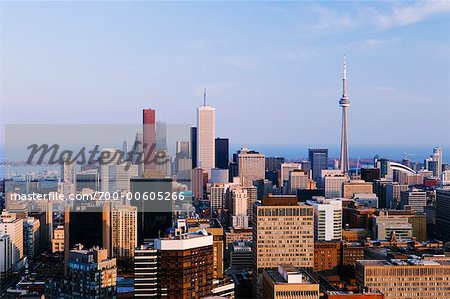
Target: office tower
{"x": 58, "y": 239}
{"x": 289, "y": 282}
{"x": 182, "y": 161}
{"x": 443, "y": 211}
{"x": 283, "y": 232}
{"x": 286, "y": 168}
{"x": 221, "y": 147}
{"x": 153, "y": 216}
{"x": 413, "y": 200}
{"x": 273, "y": 177}
{"x": 87, "y": 179}
{"x": 344, "y": 103}
{"x": 193, "y": 135}
{"x": 186, "y": 264}
{"x": 264, "y": 187}
{"x": 384, "y": 226}
{"x": 197, "y": 183}
{"x": 205, "y": 137}
{"x": 44, "y": 213}
{"x": 437, "y": 156}
{"x": 124, "y": 234}
{"x": 319, "y": 162}
{"x": 233, "y": 171}
{"x": 327, "y": 255}
{"x": 251, "y": 166}
{"x": 274, "y": 163}
{"x": 216, "y": 199}
{"x": 433, "y": 166}
{"x": 161, "y": 135}
{"x": 239, "y": 216}
{"x": 31, "y": 237}
{"x": 149, "y": 138}
{"x": 219, "y": 176}
{"x": 327, "y": 218}
{"x": 350, "y": 188}
{"x": 405, "y": 279}
{"x": 147, "y": 279}
{"x": 370, "y": 174}
{"x": 379, "y": 188}
{"x": 137, "y": 155}
{"x": 306, "y": 166}
{"x": 332, "y": 184}
{"x": 383, "y": 165}
{"x": 241, "y": 256}
{"x": 68, "y": 173}
{"x": 298, "y": 180}
{"x": 392, "y": 195}
{"x": 87, "y": 225}
{"x": 12, "y": 226}
{"x": 119, "y": 177}
{"x": 252, "y": 196}
{"x": 90, "y": 274}
{"x": 114, "y": 156}
{"x": 211, "y": 226}
{"x": 6, "y": 256}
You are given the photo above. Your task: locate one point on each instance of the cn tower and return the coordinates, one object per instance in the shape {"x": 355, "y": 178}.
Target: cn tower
{"x": 344, "y": 103}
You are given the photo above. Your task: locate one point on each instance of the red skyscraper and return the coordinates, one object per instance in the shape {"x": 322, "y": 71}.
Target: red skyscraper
{"x": 149, "y": 139}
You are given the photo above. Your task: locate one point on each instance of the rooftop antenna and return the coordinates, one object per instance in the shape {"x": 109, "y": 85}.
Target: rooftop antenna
{"x": 204, "y": 97}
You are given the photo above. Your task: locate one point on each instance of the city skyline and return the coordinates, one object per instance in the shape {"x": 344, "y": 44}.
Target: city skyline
{"x": 384, "y": 78}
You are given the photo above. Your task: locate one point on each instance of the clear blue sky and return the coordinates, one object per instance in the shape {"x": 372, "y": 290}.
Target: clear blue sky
{"x": 272, "y": 70}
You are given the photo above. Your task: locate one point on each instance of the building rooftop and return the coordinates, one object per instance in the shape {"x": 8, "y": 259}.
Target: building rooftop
{"x": 287, "y": 274}
{"x": 411, "y": 261}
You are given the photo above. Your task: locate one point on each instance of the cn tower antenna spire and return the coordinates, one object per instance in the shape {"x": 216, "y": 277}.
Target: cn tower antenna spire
{"x": 204, "y": 97}
{"x": 344, "y": 80}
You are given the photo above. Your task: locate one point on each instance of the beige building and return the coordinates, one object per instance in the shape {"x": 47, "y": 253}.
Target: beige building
{"x": 58, "y": 239}
{"x": 12, "y": 226}
{"x": 283, "y": 233}
{"x": 252, "y": 166}
{"x": 349, "y": 189}
{"x": 425, "y": 278}
{"x": 123, "y": 231}
{"x": 289, "y": 282}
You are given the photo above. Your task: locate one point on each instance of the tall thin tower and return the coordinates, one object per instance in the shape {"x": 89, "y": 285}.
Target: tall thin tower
{"x": 206, "y": 137}
{"x": 344, "y": 103}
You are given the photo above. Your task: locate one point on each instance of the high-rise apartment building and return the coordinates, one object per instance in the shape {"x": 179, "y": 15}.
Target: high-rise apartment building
{"x": 90, "y": 274}
{"x": 319, "y": 162}
{"x": 123, "y": 232}
{"x": 327, "y": 218}
{"x": 147, "y": 269}
{"x": 186, "y": 264}
{"x": 251, "y": 166}
{"x": 206, "y": 138}
{"x": 283, "y": 232}
{"x": 406, "y": 279}
{"x": 216, "y": 198}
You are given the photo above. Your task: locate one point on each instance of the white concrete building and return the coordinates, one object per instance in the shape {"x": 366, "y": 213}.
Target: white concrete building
{"x": 327, "y": 218}
{"x": 206, "y": 156}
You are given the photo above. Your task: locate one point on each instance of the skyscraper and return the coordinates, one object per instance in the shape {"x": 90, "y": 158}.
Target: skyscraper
{"x": 194, "y": 146}
{"x": 251, "y": 166}
{"x": 222, "y": 153}
{"x": 149, "y": 138}
{"x": 205, "y": 137}
{"x": 437, "y": 156}
{"x": 345, "y": 103}
{"x": 319, "y": 161}
{"x": 283, "y": 232}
